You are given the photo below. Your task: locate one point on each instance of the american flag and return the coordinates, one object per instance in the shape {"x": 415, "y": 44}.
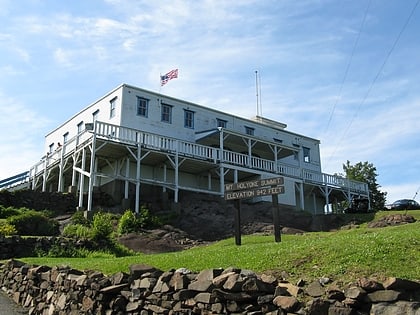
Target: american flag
{"x": 173, "y": 74}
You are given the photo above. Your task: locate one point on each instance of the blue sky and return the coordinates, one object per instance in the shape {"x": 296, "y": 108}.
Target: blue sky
{"x": 345, "y": 72}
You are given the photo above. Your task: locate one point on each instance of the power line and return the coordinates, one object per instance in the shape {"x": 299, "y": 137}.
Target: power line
{"x": 348, "y": 67}
{"x": 376, "y": 76}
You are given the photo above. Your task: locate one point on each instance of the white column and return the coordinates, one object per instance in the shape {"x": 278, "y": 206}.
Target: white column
{"x": 81, "y": 178}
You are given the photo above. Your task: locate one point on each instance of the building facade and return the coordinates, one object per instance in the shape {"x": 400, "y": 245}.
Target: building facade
{"x": 136, "y": 144}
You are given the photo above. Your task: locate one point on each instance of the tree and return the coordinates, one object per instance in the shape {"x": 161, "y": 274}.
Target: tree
{"x": 366, "y": 172}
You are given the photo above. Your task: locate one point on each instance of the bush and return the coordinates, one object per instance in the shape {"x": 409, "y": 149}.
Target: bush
{"x": 7, "y": 229}
{"x": 128, "y": 223}
{"x": 102, "y": 227}
{"x": 10, "y": 211}
{"x": 146, "y": 219}
{"x": 34, "y": 223}
{"x": 79, "y": 218}
{"x": 78, "y": 231}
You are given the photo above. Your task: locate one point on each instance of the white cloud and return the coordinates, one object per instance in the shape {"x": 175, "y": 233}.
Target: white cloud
{"x": 22, "y": 128}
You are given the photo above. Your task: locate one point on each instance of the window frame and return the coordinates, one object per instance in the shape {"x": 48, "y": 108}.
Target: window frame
{"x": 250, "y": 131}
{"x": 189, "y": 118}
{"x": 142, "y": 111}
{"x": 65, "y": 137}
{"x": 80, "y": 127}
{"x": 306, "y": 154}
{"x": 166, "y": 116}
{"x": 113, "y": 107}
{"x": 221, "y": 123}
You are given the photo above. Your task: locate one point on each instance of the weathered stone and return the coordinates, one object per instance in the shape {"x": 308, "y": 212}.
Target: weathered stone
{"x": 233, "y": 283}
{"x": 114, "y": 288}
{"x": 119, "y": 277}
{"x": 217, "y": 308}
{"x": 147, "y": 283}
{"x": 290, "y": 288}
{"x": 62, "y": 300}
{"x": 340, "y": 310}
{"x": 383, "y": 296}
{"x": 184, "y": 294}
{"x": 315, "y": 289}
{"x": 287, "y": 303}
{"x": 87, "y": 303}
{"x": 232, "y": 307}
{"x": 335, "y": 295}
{"x": 369, "y": 285}
{"x": 156, "y": 309}
{"x": 220, "y": 280}
{"x": 318, "y": 307}
{"x": 201, "y": 285}
{"x": 179, "y": 281}
{"x": 204, "y": 297}
{"x": 398, "y": 308}
{"x": 137, "y": 270}
{"x": 265, "y": 299}
{"x": 270, "y": 279}
{"x": 355, "y": 293}
{"x": 401, "y": 284}
{"x": 234, "y": 296}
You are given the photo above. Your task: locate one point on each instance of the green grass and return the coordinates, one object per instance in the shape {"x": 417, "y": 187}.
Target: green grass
{"x": 342, "y": 255}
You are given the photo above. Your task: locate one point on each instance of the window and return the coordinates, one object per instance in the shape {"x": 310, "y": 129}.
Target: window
{"x": 306, "y": 154}
{"x": 66, "y": 137}
{"x": 221, "y": 123}
{"x": 113, "y": 105}
{"x": 249, "y": 131}
{"x": 188, "y": 119}
{"x": 142, "y": 106}
{"x": 80, "y": 127}
{"x": 51, "y": 148}
{"x": 95, "y": 115}
{"x": 166, "y": 114}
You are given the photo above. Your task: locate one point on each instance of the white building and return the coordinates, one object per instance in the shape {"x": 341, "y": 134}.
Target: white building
{"x": 137, "y": 145}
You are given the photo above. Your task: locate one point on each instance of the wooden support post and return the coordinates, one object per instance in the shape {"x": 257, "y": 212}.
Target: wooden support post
{"x": 238, "y": 222}
{"x": 276, "y": 218}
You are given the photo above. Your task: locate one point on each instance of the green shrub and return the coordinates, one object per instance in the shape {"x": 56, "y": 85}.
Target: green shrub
{"x": 34, "y": 223}
{"x": 128, "y": 223}
{"x": 102, "y": 227}
{"x": 7, "y": 229}
{"x": 79, "y": 218}
{"x": 146, "y": 220}
{"x": 10, "y": 211}
{"x": 78, "y": 231}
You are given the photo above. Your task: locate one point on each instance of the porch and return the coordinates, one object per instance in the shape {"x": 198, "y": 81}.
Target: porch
{"x": 104, "y": 152}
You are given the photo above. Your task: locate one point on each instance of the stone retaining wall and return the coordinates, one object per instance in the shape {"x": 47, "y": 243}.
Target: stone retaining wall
{"x": 147, "y": 290}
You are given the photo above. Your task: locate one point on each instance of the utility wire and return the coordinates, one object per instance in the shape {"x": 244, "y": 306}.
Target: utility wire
{"x": 347, "y": 68}
{"x": 376, "y": 76}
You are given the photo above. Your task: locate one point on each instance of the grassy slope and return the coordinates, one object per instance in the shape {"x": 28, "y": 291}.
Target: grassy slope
{"x": 342, "y": 255}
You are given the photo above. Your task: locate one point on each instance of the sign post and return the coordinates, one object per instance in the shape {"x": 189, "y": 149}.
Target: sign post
{"x": 256, "y": 188}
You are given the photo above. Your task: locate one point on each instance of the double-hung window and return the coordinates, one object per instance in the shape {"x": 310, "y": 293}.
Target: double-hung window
{"x": 166, "y": 113}
{"x": 142, "y": 106}
{"x": 113, "y": 107}
{"x": 188, "y": 119}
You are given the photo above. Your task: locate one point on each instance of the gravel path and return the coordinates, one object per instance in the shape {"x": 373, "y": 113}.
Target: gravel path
{"x": 8, "y": 307}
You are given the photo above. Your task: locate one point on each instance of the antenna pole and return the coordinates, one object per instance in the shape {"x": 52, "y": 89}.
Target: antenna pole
{"x": 256, "y": 89}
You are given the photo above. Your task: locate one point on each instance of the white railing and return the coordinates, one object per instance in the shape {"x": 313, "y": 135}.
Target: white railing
{"x": 174, "y": 146}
